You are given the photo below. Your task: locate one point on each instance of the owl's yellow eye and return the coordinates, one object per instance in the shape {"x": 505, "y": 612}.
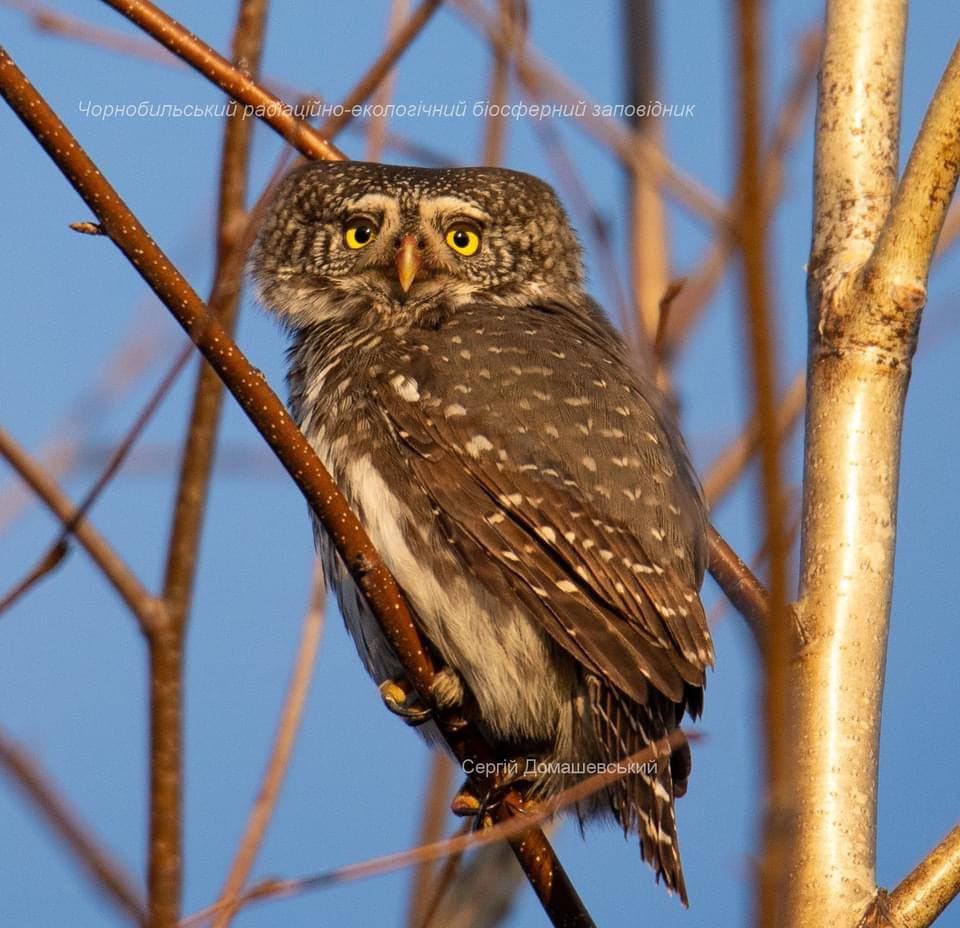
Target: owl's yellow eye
{"x": 359, "y": 233}
{"x": 463, "y": 240}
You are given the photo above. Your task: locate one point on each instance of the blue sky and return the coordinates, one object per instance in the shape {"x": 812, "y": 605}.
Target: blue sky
{"x": 72, "y": 666}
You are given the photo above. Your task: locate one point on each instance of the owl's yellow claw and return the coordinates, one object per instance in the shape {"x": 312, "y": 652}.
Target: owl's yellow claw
{"x": 400, "y": 699}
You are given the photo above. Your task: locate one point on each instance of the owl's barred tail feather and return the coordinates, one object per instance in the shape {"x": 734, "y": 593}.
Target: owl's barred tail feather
{"x": 642, "y": 801}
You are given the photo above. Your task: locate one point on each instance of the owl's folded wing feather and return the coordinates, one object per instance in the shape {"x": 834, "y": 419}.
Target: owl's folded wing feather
{"x": 547, "y": 466}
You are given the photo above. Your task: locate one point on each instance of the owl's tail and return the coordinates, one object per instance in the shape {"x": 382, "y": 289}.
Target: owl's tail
{"x": 642, "y": 802}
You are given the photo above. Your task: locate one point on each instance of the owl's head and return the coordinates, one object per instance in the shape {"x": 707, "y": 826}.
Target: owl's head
{"x": 347, "y": 236}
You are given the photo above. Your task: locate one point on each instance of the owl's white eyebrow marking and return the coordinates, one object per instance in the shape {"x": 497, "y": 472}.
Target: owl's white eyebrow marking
{"x": 449, "y": 206}
{"x": 374, "y": 203}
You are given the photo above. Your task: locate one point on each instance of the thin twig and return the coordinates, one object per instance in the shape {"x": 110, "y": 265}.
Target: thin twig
{"x": 280, "y": 754}
{"x": 376, "y": 126}
{"x": 436, "y": 808}
{"x": 47, "y": 19}
{"x": 55, "y": 553}
{"x": 702, "y": 283}
{"x": 271, "y": 419}
{"x": 99, "y": 865}
{"x": 118, "y": 375}
{"x": 137, "y": 598}
{"x": 584, "y": 208}
{"x": 535, "y": 73}
{"x": 522, "y": 822}
{"x": 513, "y": 25}
{"x": 379, "y": 69}
{"x": 649, "y": 238}
{"x": 441, "y": 885}
{"x": 727, "y": 468}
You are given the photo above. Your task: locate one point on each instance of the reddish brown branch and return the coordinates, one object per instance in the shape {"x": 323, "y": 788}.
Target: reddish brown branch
{"x": 273, "y": 422}
{"x": 739, "y": 584}
{"x": 102, "y": 869}
{"x": 238, "y": 84}
{"x": 379, "y": 69}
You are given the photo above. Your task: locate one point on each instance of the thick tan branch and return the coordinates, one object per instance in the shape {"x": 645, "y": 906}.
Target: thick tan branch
{"x": 901, "y": 259}
{"x": 858, "y": 129}
{"x": 856, "y": 389}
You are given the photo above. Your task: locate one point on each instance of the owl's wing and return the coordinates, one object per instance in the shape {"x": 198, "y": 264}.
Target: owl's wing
{"x": 548, "y": 467}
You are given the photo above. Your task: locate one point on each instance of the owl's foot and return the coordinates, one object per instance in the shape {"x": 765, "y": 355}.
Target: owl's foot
{"x": 478, "y": 799}
{"x": 399, "y": 697}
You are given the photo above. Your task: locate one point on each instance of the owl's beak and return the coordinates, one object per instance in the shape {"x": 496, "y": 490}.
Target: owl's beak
{"x": 408, "y": 261}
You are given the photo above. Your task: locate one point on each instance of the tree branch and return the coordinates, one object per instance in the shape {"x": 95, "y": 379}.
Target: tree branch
{"x": 280, "y": 754}
{"x": 730, "y": 464}
{"x": 271, "y": 419}
{"x": 138, "y": 599}
{"x": 100, "y": 867}
{"x": 376, "y": 73}
{"x": 752, "y": 236}
{"x": 58, "y": 549}
{"x": 866, "y": 290}
{"x": 200, "y": 56}
{"x": 922, "y": 897}
{"x": 166, "y": 647}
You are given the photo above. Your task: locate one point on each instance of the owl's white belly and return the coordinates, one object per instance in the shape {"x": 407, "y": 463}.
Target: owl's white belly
{"x": 507, "y": 662}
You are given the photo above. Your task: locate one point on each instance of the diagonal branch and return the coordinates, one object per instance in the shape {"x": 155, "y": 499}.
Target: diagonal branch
{"x": 271, "y": 419}
{"x": 727, "y": 468}
{"x": 58, "y": 549}
{"x": 137, "y": 598}
{"x": 375, "y": 75}
{"x": 104, "y": 871}
{"x": 922, "y": 897}
{"x": 239, "y": 85}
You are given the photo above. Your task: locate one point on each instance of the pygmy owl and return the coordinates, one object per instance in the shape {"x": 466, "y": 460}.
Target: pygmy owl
{"x": 526, "y": 486}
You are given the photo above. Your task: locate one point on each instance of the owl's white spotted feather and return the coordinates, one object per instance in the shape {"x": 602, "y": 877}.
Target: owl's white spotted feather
{"x": 526, "y": 487}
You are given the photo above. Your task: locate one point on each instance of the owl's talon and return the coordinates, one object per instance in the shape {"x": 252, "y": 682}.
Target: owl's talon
{"x": 469, "y": 803}
{"x": 401, "y": 700}
{"x": 466, "y": 802}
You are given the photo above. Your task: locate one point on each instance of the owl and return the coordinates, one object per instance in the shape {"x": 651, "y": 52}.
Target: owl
{"x": 524, "y": 483}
